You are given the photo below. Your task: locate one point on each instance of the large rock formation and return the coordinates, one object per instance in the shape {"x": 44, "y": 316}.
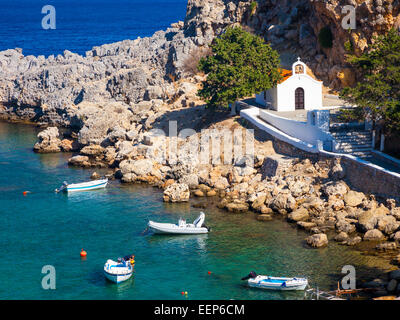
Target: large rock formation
{"x": 48, "y": 141}
{"x": 150, "y": 69}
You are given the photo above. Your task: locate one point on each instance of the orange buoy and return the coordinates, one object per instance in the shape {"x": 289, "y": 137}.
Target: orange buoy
{"x": 83, "y": 253}
{"x": 24, "y": 193}
{"x": 209, "y": 272}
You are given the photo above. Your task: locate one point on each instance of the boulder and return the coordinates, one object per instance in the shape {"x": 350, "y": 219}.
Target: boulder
{"x": 259, "y": 201}
{"x": 395, "y": 212}
{"x": 221, "y": 183}
{"x": 335, "y": 203}
{"x": 237, "y": 206}
{"x": 265, "y": 210}
{"x": 142, "y": 167}
{"x": 387, "y": 224}
{"x": 342, "y": 236}
{"x": 79, "y": 161}
{"x": 373, "y": 235}
{"x": 335, "y": 188}
{"x": 354, "y": 241}
{"x": 306, "y": 225}
{"x": 125, "y": 150}
{"x": 283, "y": 201}
{"x": 100, "y": 120}
{"x": 192, "y": 180}
{"x": 317, "y": 240}
{"x": 176, "y": 192}
{"x": 264, "y": 217}
{"x": 300, "y": 214}
{"x": 368, "y": 219}
{"x": 386, "y": 246}
{"x": 198, "y": 193}
{"x": 95, "y": 176}
{"x": 396, "y": 236}
{"x": 211, "y": 193}
{"x": 92, "y": 150}
{"x": 48, "y": 141}
{"x": 353, "y": 198}
{"x": 344, "y": 226}
{"x": 68, "y": 145}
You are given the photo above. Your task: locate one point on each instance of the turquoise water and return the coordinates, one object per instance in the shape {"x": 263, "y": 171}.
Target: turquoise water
{"x": 44, "y": 228}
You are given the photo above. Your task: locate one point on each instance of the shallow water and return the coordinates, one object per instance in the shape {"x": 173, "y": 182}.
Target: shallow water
{"x": 44, "y": 228}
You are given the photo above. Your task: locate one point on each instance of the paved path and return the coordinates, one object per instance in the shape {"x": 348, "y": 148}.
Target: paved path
{"x": 328, "y": 101}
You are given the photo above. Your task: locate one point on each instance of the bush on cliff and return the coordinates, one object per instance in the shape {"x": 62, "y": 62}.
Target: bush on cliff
{"x": 240, "y": 65}
{"x": 377, "y": 94}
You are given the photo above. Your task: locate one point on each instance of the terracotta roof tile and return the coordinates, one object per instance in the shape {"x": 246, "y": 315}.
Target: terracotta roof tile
{"x": 285, "y": 74}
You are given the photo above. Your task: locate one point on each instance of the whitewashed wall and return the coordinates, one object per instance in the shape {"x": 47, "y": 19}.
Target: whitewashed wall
{"x": 312, "y": 93}
{"x": 300, "y": 130}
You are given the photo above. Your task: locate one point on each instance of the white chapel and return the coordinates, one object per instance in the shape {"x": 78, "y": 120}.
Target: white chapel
{"x": 297, "y": 90}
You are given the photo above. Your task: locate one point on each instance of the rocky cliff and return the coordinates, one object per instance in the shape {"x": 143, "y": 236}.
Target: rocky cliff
{"x": 143, "y": 75}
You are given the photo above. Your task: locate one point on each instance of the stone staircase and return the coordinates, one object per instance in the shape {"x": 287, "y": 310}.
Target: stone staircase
{"x": 356, "y": 143}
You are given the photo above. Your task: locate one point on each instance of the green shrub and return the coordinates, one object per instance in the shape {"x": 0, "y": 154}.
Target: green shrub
{"x": 325, "y": 37}
{"x": 348, "y": 46}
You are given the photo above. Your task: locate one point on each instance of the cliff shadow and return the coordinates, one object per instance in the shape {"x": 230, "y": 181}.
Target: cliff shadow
{"x": 196, "y": 118}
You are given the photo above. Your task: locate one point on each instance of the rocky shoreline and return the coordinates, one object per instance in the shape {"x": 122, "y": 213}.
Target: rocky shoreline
{"x": 312, "y": 195}
{"x": 113, "y": 103}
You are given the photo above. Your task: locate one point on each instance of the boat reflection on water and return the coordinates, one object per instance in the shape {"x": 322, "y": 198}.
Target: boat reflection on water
{"x": 121, "y": 289}
{"x": 182, "y": 240}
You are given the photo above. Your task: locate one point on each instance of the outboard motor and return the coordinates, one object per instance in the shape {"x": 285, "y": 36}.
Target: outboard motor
{"x": 252, "y": 275}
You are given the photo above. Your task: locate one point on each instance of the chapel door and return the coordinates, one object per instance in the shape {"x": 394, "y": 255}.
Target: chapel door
{"x": 299, "y": 98}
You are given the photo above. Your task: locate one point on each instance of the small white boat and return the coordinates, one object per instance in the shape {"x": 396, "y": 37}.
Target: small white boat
{"x": 118, "y": 271}
{"x": 275, "y": 283}
{"x": 84, "y": 186}
{"x": 197, "y": 227}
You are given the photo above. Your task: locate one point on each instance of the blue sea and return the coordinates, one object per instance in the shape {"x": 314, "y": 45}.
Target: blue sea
{"x": 80, "y": 25}
{"x": 43, "y": 228}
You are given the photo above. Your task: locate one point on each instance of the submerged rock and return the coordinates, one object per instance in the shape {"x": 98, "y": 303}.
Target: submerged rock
{"x": 264, "y": 217}
{"x": 317, "y": 240}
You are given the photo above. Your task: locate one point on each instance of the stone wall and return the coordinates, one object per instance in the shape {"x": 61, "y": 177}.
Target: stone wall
{"x": 359, "y": 176}
{"x": 371, "y": 180}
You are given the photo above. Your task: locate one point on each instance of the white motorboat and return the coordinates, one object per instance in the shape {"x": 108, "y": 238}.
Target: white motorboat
{"x": 118, "y": 271}
{"x": 84, "y": 186}
{"x": 275, "y": 283}
{"x": 197, "y": 227}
